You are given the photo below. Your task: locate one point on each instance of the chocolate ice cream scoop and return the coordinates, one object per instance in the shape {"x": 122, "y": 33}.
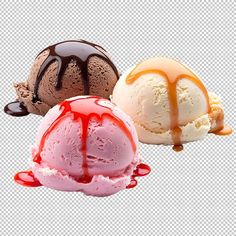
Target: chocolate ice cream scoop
{"x": 61, "y": 71}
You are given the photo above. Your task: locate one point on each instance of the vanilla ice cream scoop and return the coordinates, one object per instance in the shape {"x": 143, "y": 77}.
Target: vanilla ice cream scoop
{"x": 168, "y": 103}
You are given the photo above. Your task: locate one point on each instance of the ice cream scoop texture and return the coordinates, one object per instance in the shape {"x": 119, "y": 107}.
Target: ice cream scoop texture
{"x": 167, "y": 102}
{"x": 63, "y": 70}
{"x": 85, "y": 144}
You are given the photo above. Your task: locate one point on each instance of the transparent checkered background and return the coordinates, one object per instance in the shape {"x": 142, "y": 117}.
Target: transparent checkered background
{"x": 187, "y": 193}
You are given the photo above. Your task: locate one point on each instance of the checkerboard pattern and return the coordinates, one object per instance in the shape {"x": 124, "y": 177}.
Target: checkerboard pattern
{"x": 187, "y": 193}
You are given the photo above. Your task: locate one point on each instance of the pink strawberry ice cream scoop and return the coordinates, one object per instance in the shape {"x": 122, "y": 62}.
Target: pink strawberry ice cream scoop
{"x": 85, "y": 144}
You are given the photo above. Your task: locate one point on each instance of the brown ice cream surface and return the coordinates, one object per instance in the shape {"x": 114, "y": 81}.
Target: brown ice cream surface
{"x": 101, "y": 77}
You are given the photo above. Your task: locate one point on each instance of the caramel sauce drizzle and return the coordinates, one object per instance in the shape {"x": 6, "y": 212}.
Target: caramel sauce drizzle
{"x": 172, "y": 71}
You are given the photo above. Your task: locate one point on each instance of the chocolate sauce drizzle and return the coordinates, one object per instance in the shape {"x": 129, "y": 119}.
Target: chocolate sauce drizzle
{"x": 64, "y": 52}
{"x": 15, "y": 109}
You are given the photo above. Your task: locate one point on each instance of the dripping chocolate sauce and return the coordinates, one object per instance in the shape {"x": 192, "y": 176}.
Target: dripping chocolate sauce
{"x": 78, "y": 50}
{"x": 15, "y": 109}
{"x": 63, "y": 53}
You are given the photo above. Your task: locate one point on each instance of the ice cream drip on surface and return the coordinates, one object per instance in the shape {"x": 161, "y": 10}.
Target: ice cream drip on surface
{"x": 220, "y": 128}
{"x": 15, "y": 109}
{"x": 95, "y": 109}
{"x": 141, "y": 170}
{"x": 27, "y": 179}
{"x": 173, "y": 72}
{"x": 227, "y": 130}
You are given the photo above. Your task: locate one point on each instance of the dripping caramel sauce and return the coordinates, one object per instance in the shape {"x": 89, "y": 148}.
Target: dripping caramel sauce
{"x": 172, "y": 71}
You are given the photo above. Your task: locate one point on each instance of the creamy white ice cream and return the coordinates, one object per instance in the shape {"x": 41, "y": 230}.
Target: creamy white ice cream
{"x": 147, "y": 101}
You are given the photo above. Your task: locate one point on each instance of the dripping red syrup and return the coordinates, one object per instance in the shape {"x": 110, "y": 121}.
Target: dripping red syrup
{"x": 141, "y": 170}
{"x": 26, "y": 178}
{"x": 81, "y": 109}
